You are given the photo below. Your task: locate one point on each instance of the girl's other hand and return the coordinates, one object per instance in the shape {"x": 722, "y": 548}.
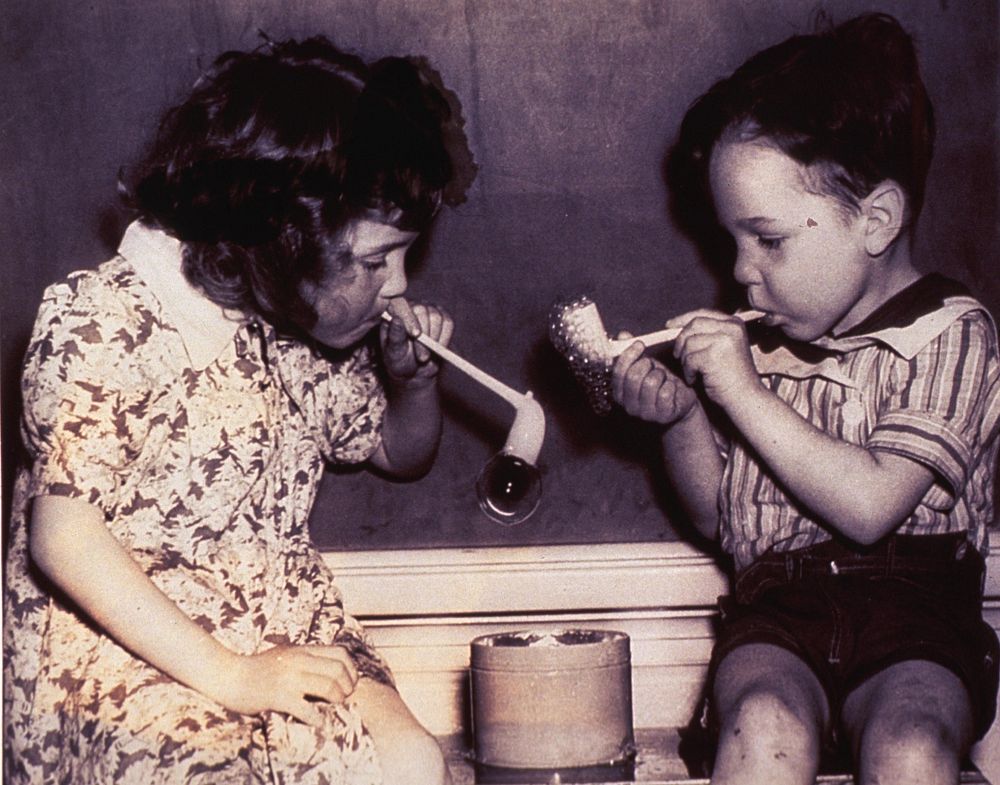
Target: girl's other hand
{"x": 405, "y": 359}
{"x": 713, "y": 347}
{"x": 647, "y": 389}
{"x": 289, "y": 679}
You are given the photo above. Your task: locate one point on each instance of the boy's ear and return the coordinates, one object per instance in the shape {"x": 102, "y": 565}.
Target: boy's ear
{"x": 884, "y": 210}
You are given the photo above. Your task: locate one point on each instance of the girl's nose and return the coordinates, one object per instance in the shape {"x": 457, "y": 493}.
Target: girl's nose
{"x": 395, "y": 283}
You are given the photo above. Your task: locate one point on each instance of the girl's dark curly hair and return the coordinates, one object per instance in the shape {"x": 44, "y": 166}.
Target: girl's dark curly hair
{"x": 274, "y": 152}
{"x": 848, "y": 100}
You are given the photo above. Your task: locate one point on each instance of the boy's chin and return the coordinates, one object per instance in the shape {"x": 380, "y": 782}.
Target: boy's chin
{"x": 802, "y": 333}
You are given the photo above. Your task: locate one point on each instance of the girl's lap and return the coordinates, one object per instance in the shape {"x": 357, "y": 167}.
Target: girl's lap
{"x": 154, "y": 730}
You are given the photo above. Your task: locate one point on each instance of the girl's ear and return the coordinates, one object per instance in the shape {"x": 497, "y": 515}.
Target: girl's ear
{"x": 884, "y": 211}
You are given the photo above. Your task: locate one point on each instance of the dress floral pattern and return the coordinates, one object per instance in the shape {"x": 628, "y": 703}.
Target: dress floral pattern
{"x": 207, "y": 476}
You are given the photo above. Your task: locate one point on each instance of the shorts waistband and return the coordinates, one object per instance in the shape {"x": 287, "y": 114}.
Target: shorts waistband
{"x": 901, "y": 555}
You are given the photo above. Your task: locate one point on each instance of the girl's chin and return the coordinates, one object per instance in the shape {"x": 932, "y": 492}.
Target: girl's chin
{"x": 345, "y": 340}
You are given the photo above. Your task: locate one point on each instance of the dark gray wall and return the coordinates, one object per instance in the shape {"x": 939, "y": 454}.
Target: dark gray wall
{"x": 570, "y": 106}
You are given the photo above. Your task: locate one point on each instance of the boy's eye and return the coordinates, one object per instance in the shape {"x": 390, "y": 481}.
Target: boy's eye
{"x": 769, "y": 242}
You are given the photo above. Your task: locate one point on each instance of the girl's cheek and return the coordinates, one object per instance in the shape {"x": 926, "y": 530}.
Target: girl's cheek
{"x": 332, "y": 309}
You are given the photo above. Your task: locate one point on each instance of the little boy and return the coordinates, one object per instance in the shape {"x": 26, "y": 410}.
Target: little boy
{"x": 855, "y": 481}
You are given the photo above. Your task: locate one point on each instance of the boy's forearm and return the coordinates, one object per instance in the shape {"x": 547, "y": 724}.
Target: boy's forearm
{"x": 693, "y": 465}
{"x": 411, "y": 430}
{"x": 71, "y": 544}
{"x": 862, "y": 494}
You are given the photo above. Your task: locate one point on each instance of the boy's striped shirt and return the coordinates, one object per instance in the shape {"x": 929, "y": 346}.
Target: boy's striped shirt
{"x": 919, "y": 378}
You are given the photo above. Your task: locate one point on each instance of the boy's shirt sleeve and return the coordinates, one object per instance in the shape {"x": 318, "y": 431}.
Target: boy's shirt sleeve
{"x": 83, "y": 414}
{"x": 935, "y": 411}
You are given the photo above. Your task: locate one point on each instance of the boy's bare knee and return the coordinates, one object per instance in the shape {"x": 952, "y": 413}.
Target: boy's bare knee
{"x": 907, "y": 747}
{"x": 769, "y": 714}
{"x": 767, "y": 734}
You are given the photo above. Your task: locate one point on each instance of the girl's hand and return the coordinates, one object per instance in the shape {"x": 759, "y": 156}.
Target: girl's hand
{"x": 714, "y": 348}
{"x": 646, "y": 389}
{"x": 406, "y": 360}
{"x": 289, "y": 679}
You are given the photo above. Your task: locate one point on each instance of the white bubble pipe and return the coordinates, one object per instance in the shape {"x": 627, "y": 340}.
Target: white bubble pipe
{"x": 527, "y": 432}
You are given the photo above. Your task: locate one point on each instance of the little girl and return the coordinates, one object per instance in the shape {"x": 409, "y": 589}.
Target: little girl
{"x": 167, "y": 618}
{"x": 845, "y": 459}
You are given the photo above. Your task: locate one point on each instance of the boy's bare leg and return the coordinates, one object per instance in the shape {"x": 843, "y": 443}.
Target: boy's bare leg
{"x": 911, "y": 722}
{"x": 772, "y": 711}
{"x": 407, "y": 752}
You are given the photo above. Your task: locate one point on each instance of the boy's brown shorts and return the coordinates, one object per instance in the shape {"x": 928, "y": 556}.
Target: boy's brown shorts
{"x": 850, "y": 614}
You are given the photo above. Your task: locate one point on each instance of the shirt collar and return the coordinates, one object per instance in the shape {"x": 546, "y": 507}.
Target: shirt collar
{"x": 206, "y": 329}
{"x": 905, "y": 323}
{"x": 910, "y": 319}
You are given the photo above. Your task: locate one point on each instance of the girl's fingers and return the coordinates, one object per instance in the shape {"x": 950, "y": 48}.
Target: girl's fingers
{"x": 338, "y": 655}
{"x": 447, "y": 329}
{"x": 430, "y": 320}
{"x": 305, "y": 711}
{"x": 325, "y": 687}
{"x": 420, "y": 318}
{"x": 402, "y": 313}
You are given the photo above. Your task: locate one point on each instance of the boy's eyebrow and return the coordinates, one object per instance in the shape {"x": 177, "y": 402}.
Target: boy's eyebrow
{"x": 756, "y": 223}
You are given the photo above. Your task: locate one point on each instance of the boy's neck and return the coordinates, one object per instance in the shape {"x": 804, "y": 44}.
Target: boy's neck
{"x": 892, "y": 272}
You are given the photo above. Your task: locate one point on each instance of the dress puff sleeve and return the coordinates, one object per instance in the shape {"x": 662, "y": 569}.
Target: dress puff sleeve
{"x": 83, "y": 419}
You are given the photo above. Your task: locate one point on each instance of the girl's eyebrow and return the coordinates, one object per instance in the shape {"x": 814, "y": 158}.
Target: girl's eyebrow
{"x": 386, "y": 248}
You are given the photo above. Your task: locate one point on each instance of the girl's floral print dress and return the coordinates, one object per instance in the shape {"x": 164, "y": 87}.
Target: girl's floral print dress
{"x": 202, "y": 439}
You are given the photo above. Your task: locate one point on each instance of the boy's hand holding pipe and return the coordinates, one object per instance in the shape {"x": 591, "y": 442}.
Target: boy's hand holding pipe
{"x": 713, "y": 346}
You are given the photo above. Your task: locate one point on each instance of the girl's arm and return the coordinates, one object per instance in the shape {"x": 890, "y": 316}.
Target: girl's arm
{"x": 863, "y": 494}
{"x": 71, "y": 544}
{"x": 647, "y": 389}
{"x": 411, "y": 428}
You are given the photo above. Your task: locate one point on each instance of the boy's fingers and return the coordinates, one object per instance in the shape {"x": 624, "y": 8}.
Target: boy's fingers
{"x": 634, "y": 381}
{"x": 622, "y": 367}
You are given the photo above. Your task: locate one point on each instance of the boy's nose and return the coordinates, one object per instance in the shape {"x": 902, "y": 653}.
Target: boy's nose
{"x": 744, "y": 271}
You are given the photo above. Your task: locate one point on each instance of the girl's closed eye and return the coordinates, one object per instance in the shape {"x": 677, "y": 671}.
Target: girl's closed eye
{"x": 374, "y": 262}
